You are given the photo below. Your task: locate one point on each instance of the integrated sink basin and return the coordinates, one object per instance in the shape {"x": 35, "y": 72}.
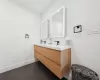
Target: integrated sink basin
{"x": 56, "y": 47}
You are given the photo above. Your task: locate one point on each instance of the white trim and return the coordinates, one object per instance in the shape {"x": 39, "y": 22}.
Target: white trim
{"x": 14, "y": 66}
{"x": 47, "y": 28}
{"x": 63, "y": 22}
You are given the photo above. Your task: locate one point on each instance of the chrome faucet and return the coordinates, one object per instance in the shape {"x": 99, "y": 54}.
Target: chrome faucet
{"x": 57, "y": 42}
{"x": 43, "y": 41}
{"x": 50, "y": 41}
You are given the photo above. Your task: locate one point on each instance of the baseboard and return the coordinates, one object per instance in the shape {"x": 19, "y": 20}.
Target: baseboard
{"x": 14, "y": 66}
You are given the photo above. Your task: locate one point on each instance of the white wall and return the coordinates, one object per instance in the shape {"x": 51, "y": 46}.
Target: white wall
{"x": 15, "y": 50}
{"x": 85, "y": 48}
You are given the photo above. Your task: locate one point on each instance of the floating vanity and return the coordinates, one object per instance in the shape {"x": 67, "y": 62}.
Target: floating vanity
{"x": 55, "y": 58}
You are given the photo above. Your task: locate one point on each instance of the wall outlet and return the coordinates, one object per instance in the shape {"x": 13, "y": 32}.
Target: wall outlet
{"x": 96, "y": 31}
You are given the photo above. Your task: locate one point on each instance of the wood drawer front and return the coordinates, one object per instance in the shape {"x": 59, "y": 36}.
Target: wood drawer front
{"x": 56, "y": 69}
{"x": 54, "y": 55}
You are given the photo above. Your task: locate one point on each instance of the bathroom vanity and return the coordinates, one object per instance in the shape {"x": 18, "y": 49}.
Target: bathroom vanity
{"x": 55, "y": 58}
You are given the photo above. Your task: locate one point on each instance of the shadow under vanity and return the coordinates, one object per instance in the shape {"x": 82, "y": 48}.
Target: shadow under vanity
{"x": 55, "y": 57}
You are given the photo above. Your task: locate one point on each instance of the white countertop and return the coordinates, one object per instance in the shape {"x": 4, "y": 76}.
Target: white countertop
{"x": 56, "y": 47}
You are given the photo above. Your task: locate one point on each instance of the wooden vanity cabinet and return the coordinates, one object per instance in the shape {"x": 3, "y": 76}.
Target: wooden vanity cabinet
{"x": 59, "y": 62}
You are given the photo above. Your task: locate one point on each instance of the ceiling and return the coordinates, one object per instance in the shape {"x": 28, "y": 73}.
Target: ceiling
{"x": 35, "y": 5}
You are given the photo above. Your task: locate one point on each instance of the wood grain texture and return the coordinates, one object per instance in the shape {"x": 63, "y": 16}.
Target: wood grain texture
{"x": 66, "y": 61}
{"x": 52, "y": 54}
{"x": 51, "y": 65}
{"x": 59, "y": 62}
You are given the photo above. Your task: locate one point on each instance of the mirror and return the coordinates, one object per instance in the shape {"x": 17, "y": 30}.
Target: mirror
{"x": 58, "y": 23}
{"x": 45, "y": 29}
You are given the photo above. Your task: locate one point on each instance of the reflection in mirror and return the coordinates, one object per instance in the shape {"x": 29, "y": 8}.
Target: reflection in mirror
{"x": 44, "y": 29}
{"x": 58, "y": 23}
